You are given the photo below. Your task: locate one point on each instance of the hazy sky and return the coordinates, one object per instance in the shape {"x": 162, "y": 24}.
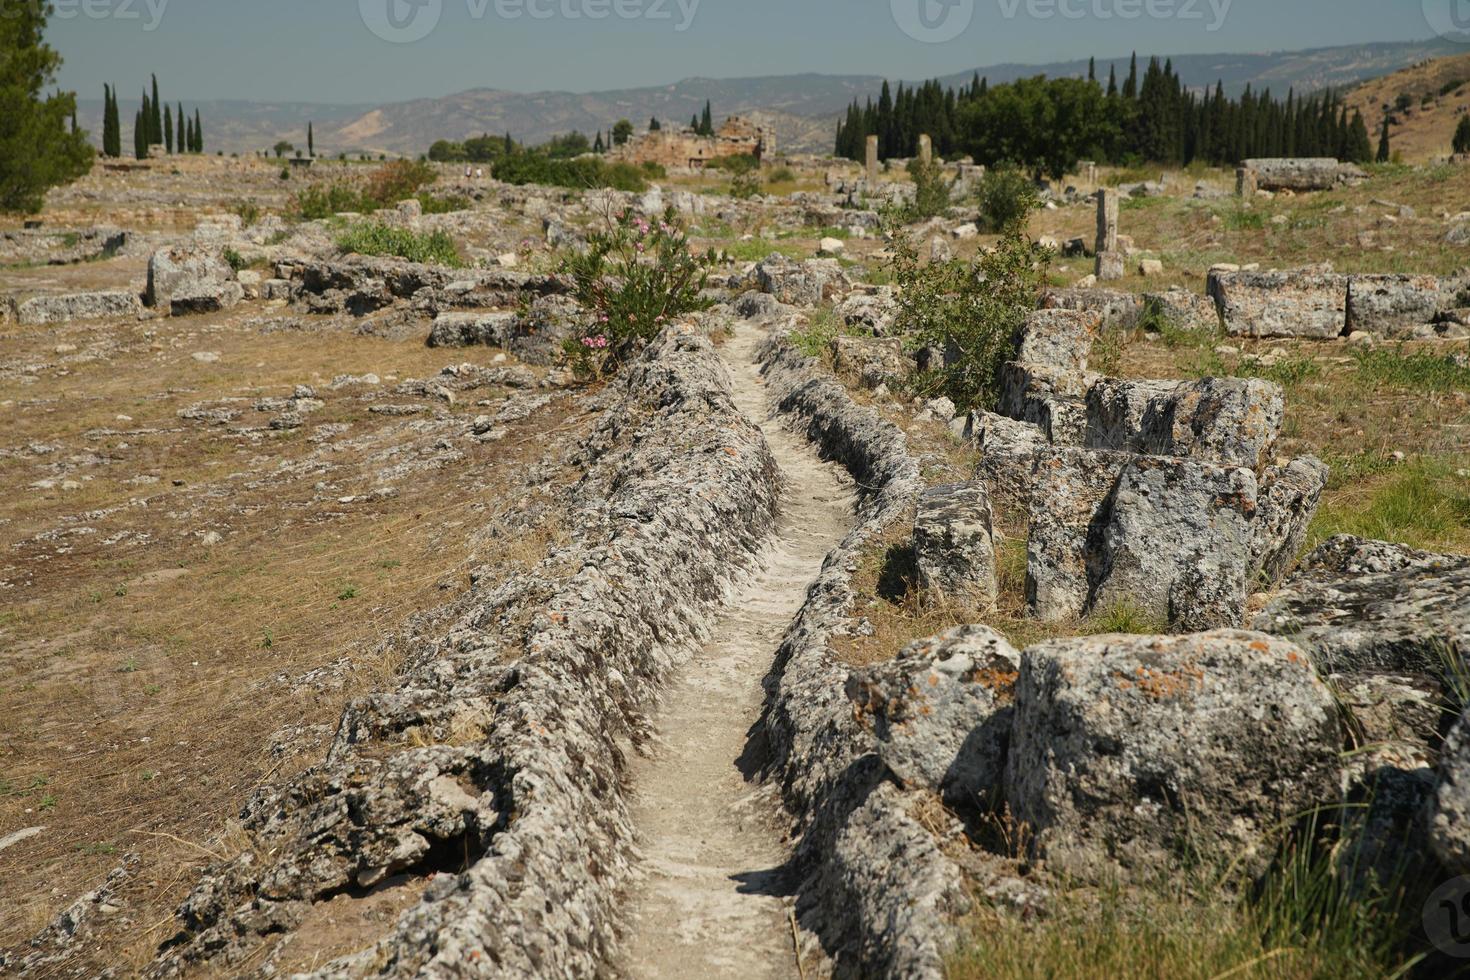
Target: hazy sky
{"x": 326, "y": 51}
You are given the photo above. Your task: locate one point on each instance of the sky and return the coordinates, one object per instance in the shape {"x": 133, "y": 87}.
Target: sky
{"x": 371, "y": 51}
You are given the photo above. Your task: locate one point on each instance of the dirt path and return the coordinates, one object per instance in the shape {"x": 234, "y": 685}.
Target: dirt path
{"x": 710, "y": 903}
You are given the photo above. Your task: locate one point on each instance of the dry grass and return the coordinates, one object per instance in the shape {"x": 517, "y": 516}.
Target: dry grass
{"x": 152, "y": 681}
{"x": 1343, "y": 226}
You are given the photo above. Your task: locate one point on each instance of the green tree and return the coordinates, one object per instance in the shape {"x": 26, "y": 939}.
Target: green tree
{"x": 707, "y": 121}
{"x": 598, "y": 146}
{"x": 1360, "y": 144}
{"x": 111, "y": 126}
{"x": 282, "y": 148}
{"x": 179, "y": 129}
{"x": 622, "y": 132}
{"x": 168, "y": 128}
{"x": 36, "y": 150}
{"x": 654, "y": 125}
{"x": 155, "y": 117}
{"x": 1462, "y": 135}
{"x": 1385, "y": 150}
{"x": 310, "y": 140}
{"x": 198, "y": 132}
{"x": 140, "y": 134}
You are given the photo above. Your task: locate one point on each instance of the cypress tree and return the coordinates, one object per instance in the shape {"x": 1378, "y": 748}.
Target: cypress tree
{"x": 198, "y": 132}
{"x": 140, "y": 133}
{"x": 1130, "y": 87}
{"x": 111, "y": 145}
{"x": 168, "y": 128}
{"x": 1360, "y": 145}
{"x": 155, "y": 133}
{"x": 1092, "y": 69}
{"x": 1385, "y": 151}
{"x": 179, "y": 129}
{"x": 707, "y": 121}
{"x": 694, "y": 123}
{"x": 310, "y": 140}
{"x": 599, "y": 146}
{"x": 1462, "y": 135}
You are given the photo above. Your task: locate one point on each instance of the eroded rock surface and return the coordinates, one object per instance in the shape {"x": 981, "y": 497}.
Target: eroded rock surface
{"x": 1131, "y": 753}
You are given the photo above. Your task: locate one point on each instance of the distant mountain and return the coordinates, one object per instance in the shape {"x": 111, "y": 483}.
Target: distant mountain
{"x": 802, "y": 109}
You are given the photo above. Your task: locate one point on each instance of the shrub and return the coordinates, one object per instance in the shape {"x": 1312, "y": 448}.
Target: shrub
{"x": 248, "y": 211}
{"x": 741, "y": 163}
{"x": 1006, "y": 196}
{"x": 398, "y": 181}
{"x": 375, "y": 238}
{"x": 931, "y": 191}
{"x": 654, "y": 170}
{"x": 316, "y": 203}
{"x": 285, "y": 173}
{"x": 582, "y": 173}
{"x": 435, "y": 204}
{"x": 969, "y": 310}
{"x": 782, "y": 175}
{"x": 635, "y": 277}
{"x": 745, "y": 185}
{"x": 234, "y": 260}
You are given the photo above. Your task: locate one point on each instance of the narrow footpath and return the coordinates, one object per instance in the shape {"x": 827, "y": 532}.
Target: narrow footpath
{"x": 709, "y": 904}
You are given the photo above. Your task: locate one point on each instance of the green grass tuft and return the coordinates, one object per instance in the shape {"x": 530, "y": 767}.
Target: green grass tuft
{"x": 373, "y": 238}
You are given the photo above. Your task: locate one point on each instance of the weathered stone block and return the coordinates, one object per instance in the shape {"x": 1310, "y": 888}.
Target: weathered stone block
{"x": 1115, "y": 309}
{"x": 1302, "y": 173}
{"x": 1066, "y": 507}
{"x": 1361, "y": 606}
{"x": 1288, "y": 500}
{"x": 872, "y": 361}
{"x": 1057, "y": 338}
{"x": 800, "y": 283}
{"x": 941, "y": 711}
{"x": 1009, "y": 451}
{"x": 1449, "y": 826}
{"x": 1226, "y": 420}
{"x": 470, "y": 329}
{"x": 1393, "y": 305}
{"x": 953, "y": 543}
{"x": 1183, "y": 310}
{"x": 1110, "y": 266}
{"x": 107, "y": 304}
{"x": 1129, "y": 753}
{"x": 1177, "y": 540}
{"x": 1304, "y": 303}
{"x": 184, "y": 279}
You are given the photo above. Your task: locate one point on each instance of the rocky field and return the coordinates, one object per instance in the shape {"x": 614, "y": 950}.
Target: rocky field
{"x": 351, "y": 630}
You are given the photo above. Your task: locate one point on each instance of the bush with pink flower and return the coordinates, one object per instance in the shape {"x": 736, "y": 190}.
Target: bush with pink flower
{"x": 635, "y": 277}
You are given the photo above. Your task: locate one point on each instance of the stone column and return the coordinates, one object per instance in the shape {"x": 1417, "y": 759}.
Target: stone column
{"x": 1245, "y": 183}
{"x": 926, "y": 149}
{"x": 1107, "y": 220}
{"x": 872, "y": 159}
{"x": 1109, "y": 259}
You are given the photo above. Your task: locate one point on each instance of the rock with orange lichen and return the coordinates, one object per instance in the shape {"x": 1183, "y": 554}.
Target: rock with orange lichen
{"x": 1131, "y": 754}
{"x": 941, "y": 711}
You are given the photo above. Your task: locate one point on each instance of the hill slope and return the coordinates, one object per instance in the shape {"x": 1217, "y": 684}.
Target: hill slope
{"x": 802, "y": 108}
{"x": 1438, "y": 92}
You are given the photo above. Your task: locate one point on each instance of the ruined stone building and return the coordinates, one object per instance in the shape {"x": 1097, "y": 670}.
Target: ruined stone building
{"x": 683, "y": 148}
